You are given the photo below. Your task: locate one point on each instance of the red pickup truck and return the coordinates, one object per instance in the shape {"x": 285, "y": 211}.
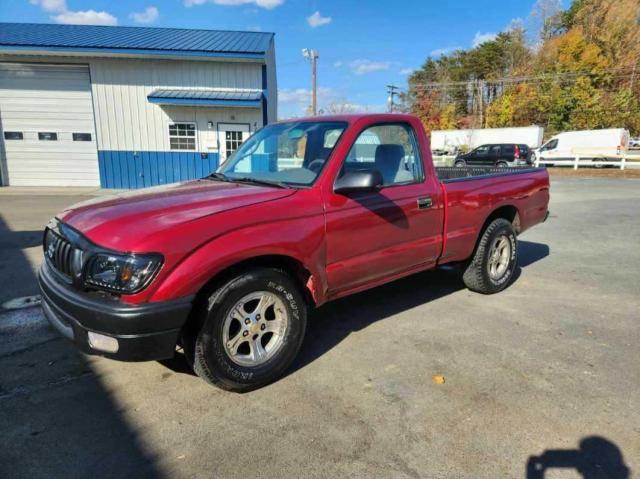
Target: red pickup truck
{"x": 305, "y": 211}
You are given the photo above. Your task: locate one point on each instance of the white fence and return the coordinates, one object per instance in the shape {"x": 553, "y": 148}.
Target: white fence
{"x": 443, "y": 160}
{"x": 578, "y": 161}
{"x": 621, "y": 162}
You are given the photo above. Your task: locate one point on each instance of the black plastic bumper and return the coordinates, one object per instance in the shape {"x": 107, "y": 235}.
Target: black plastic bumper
{"x": 144, "y": 332}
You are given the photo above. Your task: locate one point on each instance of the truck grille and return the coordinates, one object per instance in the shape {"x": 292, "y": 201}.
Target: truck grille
{"x": 59, "y": 252}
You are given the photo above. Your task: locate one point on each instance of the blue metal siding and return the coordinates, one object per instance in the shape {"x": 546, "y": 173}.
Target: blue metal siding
{"x": 265, "y": 96}
{"x": 129, "y": 169}
{"x": 133, "y": 39}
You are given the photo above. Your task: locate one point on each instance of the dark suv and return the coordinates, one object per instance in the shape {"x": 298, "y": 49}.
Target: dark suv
{"x": 502, "y": 154}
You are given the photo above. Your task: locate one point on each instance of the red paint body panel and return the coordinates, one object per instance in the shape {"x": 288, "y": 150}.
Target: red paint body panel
{"x": 347, "y": 244}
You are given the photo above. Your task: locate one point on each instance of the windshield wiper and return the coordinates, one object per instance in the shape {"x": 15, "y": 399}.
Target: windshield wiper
{"x": 218, "y": 176}
{"x": 255, "y": 181}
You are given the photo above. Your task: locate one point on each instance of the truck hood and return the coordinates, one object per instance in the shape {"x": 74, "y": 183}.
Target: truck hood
{"x": 124, "y": 220}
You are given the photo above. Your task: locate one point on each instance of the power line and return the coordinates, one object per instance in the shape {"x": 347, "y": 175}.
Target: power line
{"x": 622, "y": 71}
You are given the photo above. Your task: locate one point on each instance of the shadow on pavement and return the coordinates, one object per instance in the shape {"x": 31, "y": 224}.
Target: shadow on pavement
{"x": 332, "y": 323}
{"x": 57, "y": 418}
{"x": 596, "y": 458}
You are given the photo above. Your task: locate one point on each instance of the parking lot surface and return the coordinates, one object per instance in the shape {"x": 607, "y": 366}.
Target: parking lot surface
{"x": 544, "y": 374}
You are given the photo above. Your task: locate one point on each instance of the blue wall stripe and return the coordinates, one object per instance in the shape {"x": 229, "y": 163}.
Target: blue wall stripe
{"x": 129, "y": 169}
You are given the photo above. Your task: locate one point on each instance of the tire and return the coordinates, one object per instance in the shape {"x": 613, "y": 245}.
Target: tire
{"x": 460, "y": 164}
{"x": 212, "y": 359}
{"x": 479, "y": 275}
{"x": 502, "y": 164}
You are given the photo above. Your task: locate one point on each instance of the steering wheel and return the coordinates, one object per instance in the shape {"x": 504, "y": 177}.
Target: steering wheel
{"x": 316, "y": 165}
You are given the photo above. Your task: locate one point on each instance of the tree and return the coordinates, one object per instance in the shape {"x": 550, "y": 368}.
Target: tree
{"x": 584, "y": 72}
{"x": 547, "y": 18}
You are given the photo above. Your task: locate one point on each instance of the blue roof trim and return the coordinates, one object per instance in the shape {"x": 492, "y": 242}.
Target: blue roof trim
{"x": 204, "y": 102}
{"x": 130, "y": 51}
{"x": 134, "y": 40}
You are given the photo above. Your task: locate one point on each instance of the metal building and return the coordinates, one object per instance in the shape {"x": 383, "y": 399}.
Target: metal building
{"x": 128, "y": 107}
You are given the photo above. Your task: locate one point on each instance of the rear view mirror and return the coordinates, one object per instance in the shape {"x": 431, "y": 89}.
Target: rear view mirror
{"x": 358, "y": 181}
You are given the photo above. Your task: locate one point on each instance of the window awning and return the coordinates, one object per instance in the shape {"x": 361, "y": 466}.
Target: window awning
{"x": 208, "y": 97}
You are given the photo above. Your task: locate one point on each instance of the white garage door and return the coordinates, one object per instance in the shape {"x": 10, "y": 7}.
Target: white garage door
{"x": 48, "y": 133}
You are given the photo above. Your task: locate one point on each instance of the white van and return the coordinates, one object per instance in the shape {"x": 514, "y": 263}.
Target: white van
{"x": 586, "y": 144}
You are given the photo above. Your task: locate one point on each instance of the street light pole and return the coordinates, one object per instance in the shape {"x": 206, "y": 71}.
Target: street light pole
{"x": 312, "y": 55}
{"x": 392, "y": 93}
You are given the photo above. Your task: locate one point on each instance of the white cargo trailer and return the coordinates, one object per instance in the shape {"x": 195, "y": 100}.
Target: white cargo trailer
{"x": 585, "y": 144}
{"x": 452, "y": 141}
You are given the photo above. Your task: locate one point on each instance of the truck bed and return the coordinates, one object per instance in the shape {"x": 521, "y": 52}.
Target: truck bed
{"x": 448, "y": 174}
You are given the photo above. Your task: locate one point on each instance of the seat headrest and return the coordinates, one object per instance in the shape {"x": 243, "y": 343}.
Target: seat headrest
{"x": 389, "y": 153}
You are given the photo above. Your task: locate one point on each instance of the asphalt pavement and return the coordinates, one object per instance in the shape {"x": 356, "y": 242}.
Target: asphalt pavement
{"x": 543, "y": 378}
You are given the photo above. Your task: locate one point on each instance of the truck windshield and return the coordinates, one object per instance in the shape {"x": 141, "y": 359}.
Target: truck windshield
{"x": 292, "y": 153}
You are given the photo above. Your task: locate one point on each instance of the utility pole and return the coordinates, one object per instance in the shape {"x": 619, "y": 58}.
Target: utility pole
{"x": 480, "y": 85}
{"x": 312, "y": 56}
{"x": 392, "y": 89}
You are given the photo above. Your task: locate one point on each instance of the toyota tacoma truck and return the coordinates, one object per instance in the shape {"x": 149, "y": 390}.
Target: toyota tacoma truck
{"x": 306, "y": 211}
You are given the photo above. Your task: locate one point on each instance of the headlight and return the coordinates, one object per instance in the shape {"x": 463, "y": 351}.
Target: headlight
{"x": 121, "y": 273}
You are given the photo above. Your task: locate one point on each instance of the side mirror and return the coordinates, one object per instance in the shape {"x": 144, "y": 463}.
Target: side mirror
{"x": 358, "y": 181}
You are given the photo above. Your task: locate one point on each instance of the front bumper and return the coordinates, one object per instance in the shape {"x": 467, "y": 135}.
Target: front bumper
{"x": 144, "y": 332}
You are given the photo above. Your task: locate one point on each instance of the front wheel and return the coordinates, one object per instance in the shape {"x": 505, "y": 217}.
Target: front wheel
{"x": 495, "y": 259}
{"x": 252, "y": 329}
{"x": 460, "y": 164}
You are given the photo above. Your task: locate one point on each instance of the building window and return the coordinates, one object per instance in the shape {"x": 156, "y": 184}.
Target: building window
{"x": 47, "y": 136}
{"x": 13, "y": 135}
{"x": 232, "y": 139}
{"x": 182, "y": 136}
{"x": 81, "y": 136}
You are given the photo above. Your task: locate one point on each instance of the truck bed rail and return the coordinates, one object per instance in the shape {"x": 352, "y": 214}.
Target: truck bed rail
{"x": 447, "y": 174}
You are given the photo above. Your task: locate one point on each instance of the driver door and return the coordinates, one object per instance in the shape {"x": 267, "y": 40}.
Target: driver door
{"x": 374, "y": 235}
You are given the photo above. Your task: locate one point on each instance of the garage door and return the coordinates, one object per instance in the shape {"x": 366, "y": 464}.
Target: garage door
{"x": 46, "y": 118}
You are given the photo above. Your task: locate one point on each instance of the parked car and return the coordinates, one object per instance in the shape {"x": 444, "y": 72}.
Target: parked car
{"x": 596, "y": 145}
{"x": 634, "y": 142}
{"x": 229, "y": 266}
{"x": 501, "y": 155}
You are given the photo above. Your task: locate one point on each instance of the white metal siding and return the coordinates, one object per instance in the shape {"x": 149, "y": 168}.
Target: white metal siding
{"x": 128, "y": 122}
{"x": 48, "y": 98}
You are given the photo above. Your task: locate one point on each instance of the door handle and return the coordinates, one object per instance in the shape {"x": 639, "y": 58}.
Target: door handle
{"x": 424, "y": 203}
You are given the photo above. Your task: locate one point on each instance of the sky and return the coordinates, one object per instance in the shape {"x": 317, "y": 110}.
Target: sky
{"x": 363, "y": 45}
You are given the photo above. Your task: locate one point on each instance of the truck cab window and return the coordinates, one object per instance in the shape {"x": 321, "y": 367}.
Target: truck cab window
{"x": 292, "y": 153}
{"x": 390, "y": 149}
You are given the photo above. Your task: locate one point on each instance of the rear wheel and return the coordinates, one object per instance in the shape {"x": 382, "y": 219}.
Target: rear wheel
{"x": 252, "y": 329}
{"x": 494, "y": 261}
{"x": 502, "y": 164}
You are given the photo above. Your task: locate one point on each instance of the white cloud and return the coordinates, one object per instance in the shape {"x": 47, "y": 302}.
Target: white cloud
{"x": 54, "y": 6}
{"x": 481, "y": 38}
{"x": 149, "y": 15}
{"x": 338, "y": 64}
{"x": 268, "y": 4}
{"x": 60, "y": 14}
{"x": 438, "y": 52}
{"x": 254, "y": 28}
{"x": 361, "y": 67}
{"x": 87, "y": 17}
{"x": 302, "y": 96}
{"x": 407, "y": 71}
{"x": 317, "y": 20}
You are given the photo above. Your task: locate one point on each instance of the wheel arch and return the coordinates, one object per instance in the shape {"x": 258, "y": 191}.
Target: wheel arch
{"x": 290, "y": 265}
{"x": 507, "y": 212}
